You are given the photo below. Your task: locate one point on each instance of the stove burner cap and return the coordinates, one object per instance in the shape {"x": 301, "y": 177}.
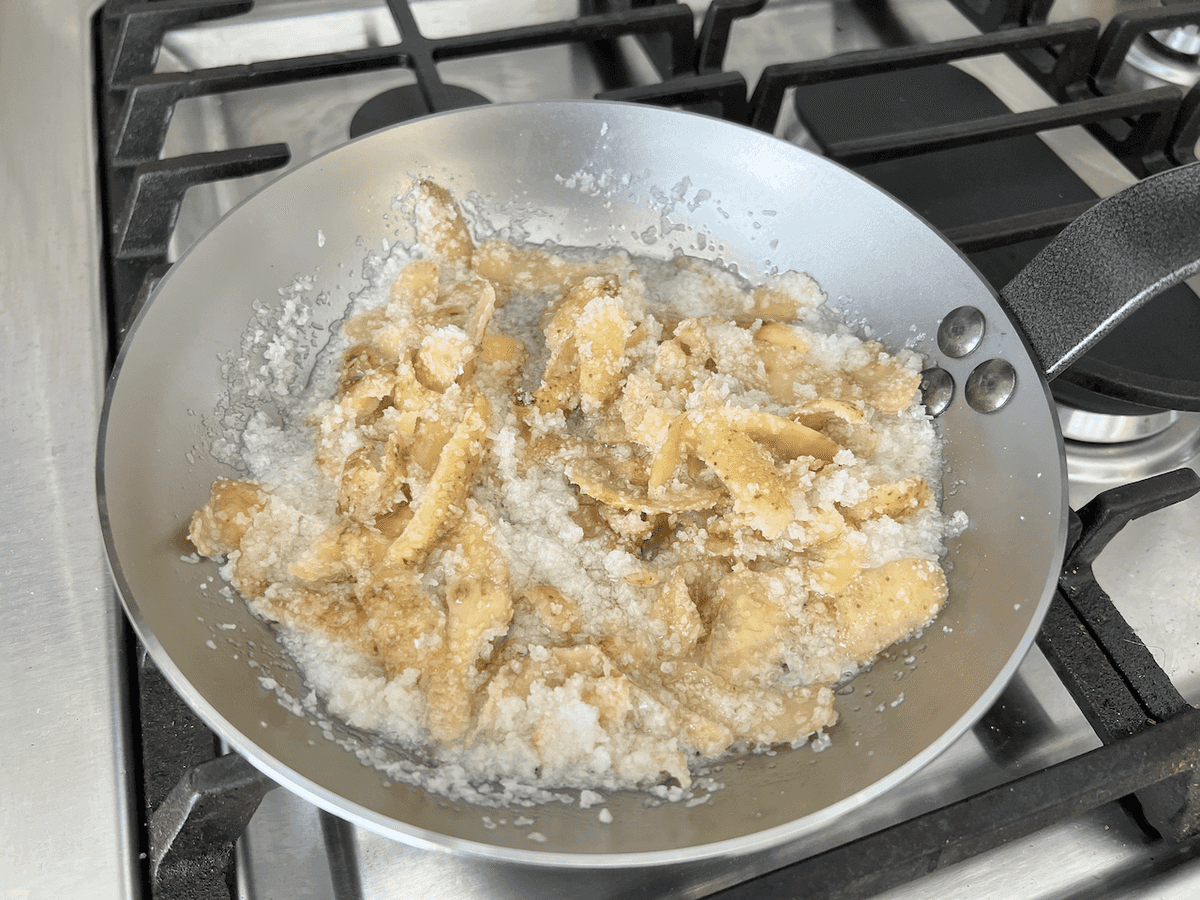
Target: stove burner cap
{"x": 1183, "y": 41}
{"x": 1101, "y": 428}
{"x": 1109, "y": 464}
{"x": 404, "y": 103}
{"x": 1096, "y": 418}
{"x": 1170, "y": 56}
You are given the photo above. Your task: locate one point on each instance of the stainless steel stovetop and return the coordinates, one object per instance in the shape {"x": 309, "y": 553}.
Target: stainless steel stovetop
{"x": 67, "y": 822}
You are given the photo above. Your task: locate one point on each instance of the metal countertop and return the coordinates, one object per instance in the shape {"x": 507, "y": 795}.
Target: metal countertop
{"x": 65, "y": 823}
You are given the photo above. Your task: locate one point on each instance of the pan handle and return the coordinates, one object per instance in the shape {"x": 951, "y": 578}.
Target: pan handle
{"x": 1104, "y": 265}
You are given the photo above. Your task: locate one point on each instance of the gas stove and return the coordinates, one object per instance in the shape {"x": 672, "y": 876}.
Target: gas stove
{"x": 997, "y": 121}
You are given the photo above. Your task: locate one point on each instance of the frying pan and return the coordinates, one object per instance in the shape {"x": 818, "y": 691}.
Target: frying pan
{"x": 657, "y": 182}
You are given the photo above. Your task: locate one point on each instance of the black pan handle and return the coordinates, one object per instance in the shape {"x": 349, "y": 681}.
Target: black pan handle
{"x": 1106, "y": 264}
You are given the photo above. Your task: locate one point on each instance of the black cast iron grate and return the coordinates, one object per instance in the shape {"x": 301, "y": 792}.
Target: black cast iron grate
{"x": 197, "y": 802}
{"x": 143, "y": 193}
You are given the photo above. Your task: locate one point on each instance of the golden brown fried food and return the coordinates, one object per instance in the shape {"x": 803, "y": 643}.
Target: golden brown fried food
{"x": 655, "y": 545}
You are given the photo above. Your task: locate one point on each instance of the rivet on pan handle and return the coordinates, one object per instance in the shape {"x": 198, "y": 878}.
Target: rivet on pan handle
{"x": 1106, "y": 264}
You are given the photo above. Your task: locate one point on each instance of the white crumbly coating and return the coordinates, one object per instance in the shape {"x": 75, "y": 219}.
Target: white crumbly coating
{"x": 534, "y": 515}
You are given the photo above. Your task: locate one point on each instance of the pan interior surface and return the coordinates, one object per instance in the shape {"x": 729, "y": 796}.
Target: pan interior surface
{"x": 657, "y": 183}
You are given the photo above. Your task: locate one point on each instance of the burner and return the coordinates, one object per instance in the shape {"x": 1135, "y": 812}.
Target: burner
{"x": 404, "y": 103}
{"x": 1099, "y": 419}
{"x": 1103, "y": 428}
{"x": 1168, "y": 56}
{"x": 1091, "y": 462}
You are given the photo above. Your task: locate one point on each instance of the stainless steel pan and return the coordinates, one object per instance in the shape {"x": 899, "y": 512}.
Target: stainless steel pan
{"x": 654, "y": 181}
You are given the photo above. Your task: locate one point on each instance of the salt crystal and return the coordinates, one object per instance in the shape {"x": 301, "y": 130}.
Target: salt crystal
{"x": 588, "y": 799}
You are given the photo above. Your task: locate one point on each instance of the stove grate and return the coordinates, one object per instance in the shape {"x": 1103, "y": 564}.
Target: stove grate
{"x": 142, "y": 193}
{"x": 920, "y": 846}
{"x": 1110, "y": 673}
{"x": 1059, "y": 57}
